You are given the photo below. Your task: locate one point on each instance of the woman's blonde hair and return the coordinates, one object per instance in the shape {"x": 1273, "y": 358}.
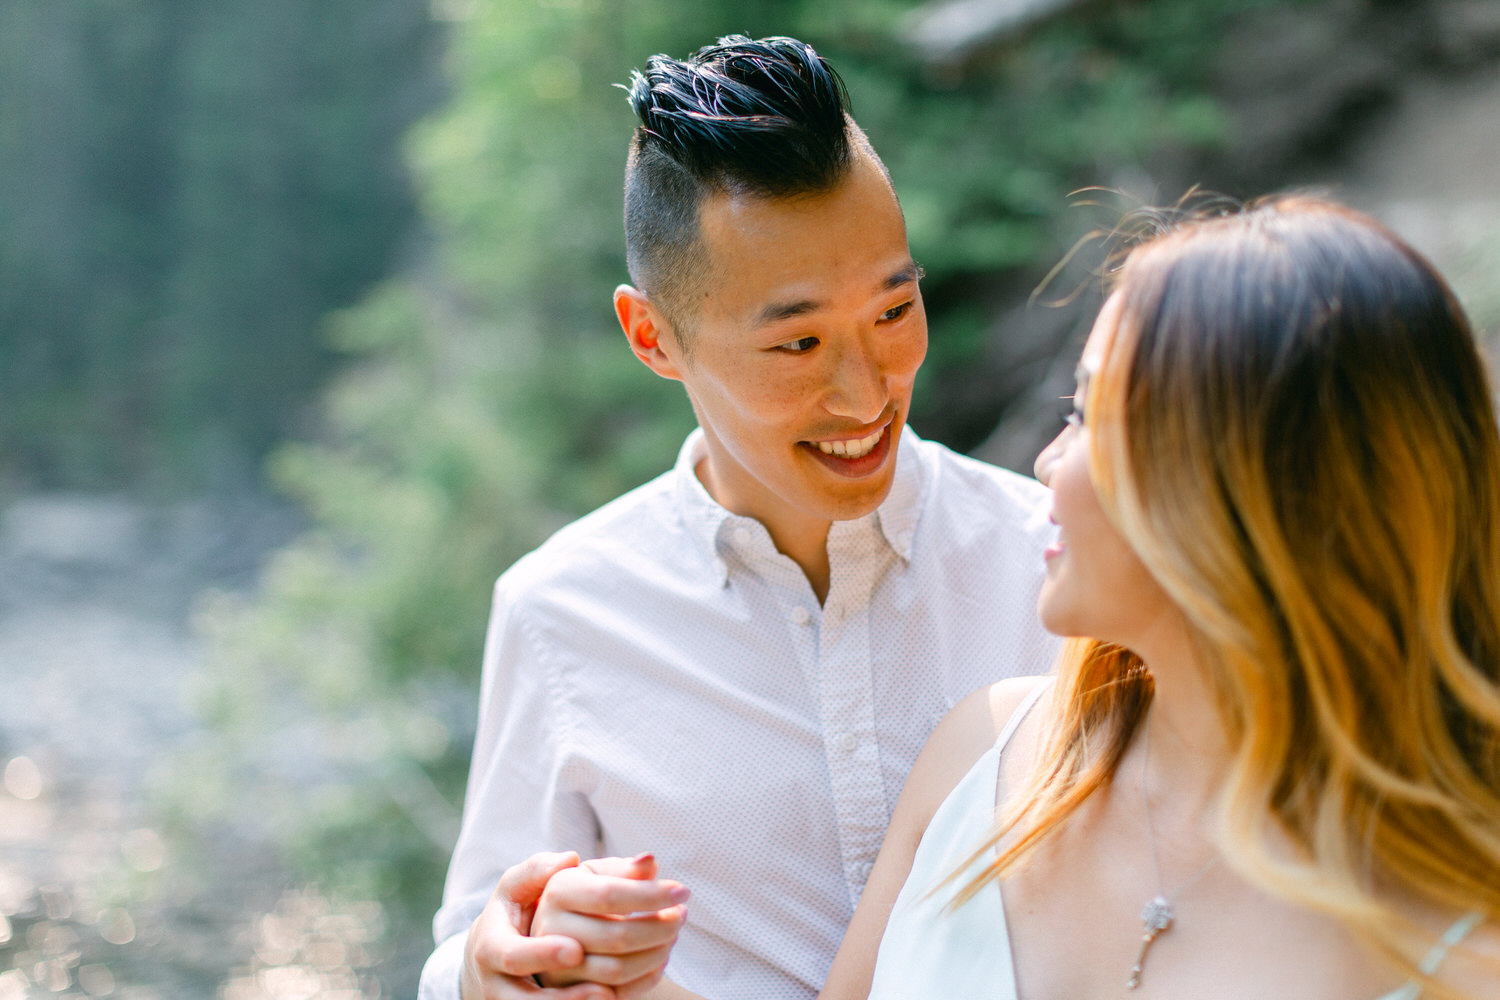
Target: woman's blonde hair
{"x": 1293, "y": 429}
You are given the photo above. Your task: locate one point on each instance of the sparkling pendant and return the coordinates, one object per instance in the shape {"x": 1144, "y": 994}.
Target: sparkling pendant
{"x": 1157, "y": 915}
{"x": 1156, "y": 918}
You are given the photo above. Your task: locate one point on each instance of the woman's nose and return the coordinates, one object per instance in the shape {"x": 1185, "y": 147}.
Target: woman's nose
{"x": 1047, "y": 458}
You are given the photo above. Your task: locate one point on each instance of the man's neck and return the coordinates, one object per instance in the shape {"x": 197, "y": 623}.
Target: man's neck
{"x": 804, "y": 541}
{"x": 800, "y": 538}
{"x": 807, "y": 546}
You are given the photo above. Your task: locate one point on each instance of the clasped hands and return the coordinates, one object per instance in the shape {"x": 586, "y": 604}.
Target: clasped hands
{"x": 595, "y": 930}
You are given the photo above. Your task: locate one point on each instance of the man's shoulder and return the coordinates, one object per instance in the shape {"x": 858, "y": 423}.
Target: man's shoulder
{"x": 639, "y": 523}
{"x": 635, "y": 535}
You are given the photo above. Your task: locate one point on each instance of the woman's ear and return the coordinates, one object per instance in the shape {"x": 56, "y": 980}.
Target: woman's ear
{"x": 645, "y": 328}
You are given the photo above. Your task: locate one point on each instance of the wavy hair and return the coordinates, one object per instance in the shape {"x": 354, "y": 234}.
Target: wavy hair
{"x": 1294, "y": 431}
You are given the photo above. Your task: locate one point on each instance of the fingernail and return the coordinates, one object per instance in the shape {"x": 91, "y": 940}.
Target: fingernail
{"x": 643, "y": 858}
{"x": 679, "y": 894}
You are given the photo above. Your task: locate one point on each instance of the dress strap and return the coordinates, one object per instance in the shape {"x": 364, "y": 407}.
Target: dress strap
{"x": 1016, "y": 717}
{"x": 1455, "y": 933}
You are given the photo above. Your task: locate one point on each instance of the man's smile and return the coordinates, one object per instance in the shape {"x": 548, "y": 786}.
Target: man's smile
{"x": 856, "y": 448}
{"x": 854, "y": 457}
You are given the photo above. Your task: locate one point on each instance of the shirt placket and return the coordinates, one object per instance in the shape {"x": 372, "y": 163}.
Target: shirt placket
{"x": 847, "y": 703}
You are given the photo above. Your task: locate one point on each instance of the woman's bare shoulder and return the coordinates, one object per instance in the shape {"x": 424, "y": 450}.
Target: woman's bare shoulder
{"x": 1026, "y": 744}
{"x": 973, "y": 725}
{"x": 965, "y": 733}
{"x": 1006, "y": 697}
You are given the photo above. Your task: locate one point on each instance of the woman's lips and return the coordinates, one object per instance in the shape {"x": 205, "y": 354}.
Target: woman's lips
{"x": 1057, "y": 548}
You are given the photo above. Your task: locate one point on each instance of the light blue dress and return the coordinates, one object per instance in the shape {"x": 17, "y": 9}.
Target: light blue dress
{"x": 930, "y": 951}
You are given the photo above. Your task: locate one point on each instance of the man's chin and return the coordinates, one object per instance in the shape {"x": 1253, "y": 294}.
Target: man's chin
{"x": 853, "y": 499}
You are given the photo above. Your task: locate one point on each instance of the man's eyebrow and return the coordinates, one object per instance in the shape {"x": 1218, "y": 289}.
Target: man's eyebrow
{"x": 777, "y": 311}
{"x": 905, "y": 276}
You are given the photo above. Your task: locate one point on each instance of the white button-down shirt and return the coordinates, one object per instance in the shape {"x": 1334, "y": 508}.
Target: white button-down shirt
{"x": 658, "y": 677}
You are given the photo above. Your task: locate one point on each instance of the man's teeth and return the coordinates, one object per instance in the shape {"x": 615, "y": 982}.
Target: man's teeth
{"x": 851, "y": 449}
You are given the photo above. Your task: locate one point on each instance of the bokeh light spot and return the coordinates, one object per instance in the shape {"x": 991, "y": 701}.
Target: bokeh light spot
{"x": 144, "y": 850}
{"x": 116, "y": 927}
{"x": 23, "y": 779}
{"x": 96, "y": 980}
{"x": 13, "y": 985}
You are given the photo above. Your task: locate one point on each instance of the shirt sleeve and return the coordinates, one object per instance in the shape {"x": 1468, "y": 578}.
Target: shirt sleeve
{"x": 440, "y": 976}
{"x": 523, "y": 796}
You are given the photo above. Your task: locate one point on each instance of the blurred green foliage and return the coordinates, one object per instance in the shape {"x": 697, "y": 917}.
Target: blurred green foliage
{"x": 485, "y": 398}
{"x": 186, "y": 187}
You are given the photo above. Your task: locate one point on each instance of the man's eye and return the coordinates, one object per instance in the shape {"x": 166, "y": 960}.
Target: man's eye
{"x": 895, "y": 312}
{"x": 800, "y": 346}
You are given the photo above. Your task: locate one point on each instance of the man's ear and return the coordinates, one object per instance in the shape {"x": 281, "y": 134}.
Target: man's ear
{"x": 645, "y": 327}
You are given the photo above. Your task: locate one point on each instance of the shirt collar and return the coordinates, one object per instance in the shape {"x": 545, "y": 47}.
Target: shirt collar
{"x": 707, "y": 520}
{"x": 702, "y": 515}
{"x": 902, "y": 508}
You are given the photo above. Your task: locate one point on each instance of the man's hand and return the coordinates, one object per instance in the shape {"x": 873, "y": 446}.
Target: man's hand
{"x": 613, "y": 909}
{"x": 499, "y": 957}
{"x": 624, "y": 917}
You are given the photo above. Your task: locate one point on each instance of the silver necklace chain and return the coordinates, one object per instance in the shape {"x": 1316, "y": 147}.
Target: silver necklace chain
{"x": 1157, "y": 915}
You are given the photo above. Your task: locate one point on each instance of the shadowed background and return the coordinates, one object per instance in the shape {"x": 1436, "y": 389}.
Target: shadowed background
{"x": 305, "y": 335}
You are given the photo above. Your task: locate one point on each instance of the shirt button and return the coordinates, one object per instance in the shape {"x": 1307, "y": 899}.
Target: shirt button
{"x": 849, "y": 742}
{"x": 800, "y": 615}
{"x": 742, "y": 536}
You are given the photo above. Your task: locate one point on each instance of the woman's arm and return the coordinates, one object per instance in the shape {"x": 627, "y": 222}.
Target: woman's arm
{"x": 958, "y": 741}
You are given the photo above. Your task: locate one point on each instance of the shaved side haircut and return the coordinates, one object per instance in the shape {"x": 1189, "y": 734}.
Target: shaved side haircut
{"x": 767, "y": 117}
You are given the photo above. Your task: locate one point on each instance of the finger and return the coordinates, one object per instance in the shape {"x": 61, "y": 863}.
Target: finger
{"x": 641, "y": 987}
{"x": 505, "y": 988}
{"x": 496, "y": 975}
{"x": 529, "y": 990}
{"x": 619, "y": 935}
{"x": 522, "y": 884}
{"x": 515, "y": 955}
{"x": 579, "y": 890}
{"x": 642, "y": 866}
{"x": 613, "y": 969}
{"x": 582, "y": 991}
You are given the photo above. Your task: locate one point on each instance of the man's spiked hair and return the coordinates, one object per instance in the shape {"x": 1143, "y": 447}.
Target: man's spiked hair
{"x": 767, "y": 117}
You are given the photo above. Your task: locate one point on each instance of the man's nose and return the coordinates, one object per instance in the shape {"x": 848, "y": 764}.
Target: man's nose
{"x": 857, "y": 384}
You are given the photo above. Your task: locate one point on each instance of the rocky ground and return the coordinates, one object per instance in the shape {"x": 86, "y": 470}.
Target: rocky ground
{"x": 98, "y": 664}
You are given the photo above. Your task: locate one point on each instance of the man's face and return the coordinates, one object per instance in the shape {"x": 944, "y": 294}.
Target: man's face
{"x": 805, "y": 340}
